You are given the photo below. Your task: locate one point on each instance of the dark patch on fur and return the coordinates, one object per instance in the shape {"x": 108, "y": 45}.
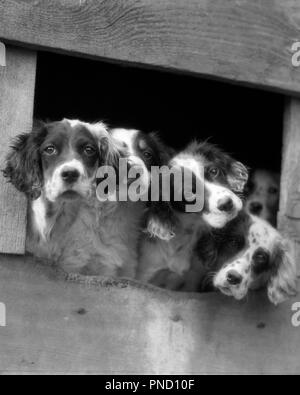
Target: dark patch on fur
{"x": 261, "y": 325}
{"x": 222, "y": 245}
{"x": 23, "y": 163}
{"x": 260, "y": 261}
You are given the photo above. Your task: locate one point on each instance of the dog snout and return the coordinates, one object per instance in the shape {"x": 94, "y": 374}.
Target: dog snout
{"x": 234, "y": 278}
{"x": 256, "y": 208}
{"x": 226, "y": 204}
{"x": 70, "y": 176}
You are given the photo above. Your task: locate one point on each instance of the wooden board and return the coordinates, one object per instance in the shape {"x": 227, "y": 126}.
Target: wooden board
{"x": 289, "y": 216}
{"x": 17, "y": 83}
{"x": 245, "y": 41}
{"x": 54, "y": 326}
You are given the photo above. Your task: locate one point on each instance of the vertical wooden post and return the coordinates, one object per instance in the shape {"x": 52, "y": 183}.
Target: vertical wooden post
{"x": 17, "y": 84}
{"x": 289, "y": 216}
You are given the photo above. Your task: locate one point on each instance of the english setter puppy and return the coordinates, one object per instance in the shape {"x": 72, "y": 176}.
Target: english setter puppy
{"x": 56, "y": 167}
{"x": 166, "y": 254}
{"x": 263, "y": 193}
{"x": 263, "y": 259}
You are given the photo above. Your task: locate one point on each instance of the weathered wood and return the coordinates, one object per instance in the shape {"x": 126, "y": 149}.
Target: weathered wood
{"x": 246, "y": 41}
{"x": 58, "y": 327}
{"x": 289, "y": 216}
{"x": 17, "y": 83}
{"x": 2, "y": 55}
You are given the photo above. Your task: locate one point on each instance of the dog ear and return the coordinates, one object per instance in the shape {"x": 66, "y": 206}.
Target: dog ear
{"x": 238, "y": 177}
{"x": 283, "y": 280}
{"x": 23, "y": 164}
{"x": 110, "y": 152}
{"x": 165, "y": 153}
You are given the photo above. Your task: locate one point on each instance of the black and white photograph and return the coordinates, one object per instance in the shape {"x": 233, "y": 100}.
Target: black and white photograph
{"x": 149, "y": 190}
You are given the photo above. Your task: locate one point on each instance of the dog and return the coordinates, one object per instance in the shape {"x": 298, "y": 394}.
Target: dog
{"x": 56, "y": 167}
{"x": 263, "y": 193}
{"x": 262, "y": 259}
{"x": 143, "y": 152}
{"x": 166, "y": 253}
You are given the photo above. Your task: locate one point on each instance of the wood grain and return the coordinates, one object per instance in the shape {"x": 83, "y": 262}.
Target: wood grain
{"x": 244, "y": 41}
{"x": 55, "y": 326}
{"x": 289, "y": 216}
{"x": 17, "y": 84}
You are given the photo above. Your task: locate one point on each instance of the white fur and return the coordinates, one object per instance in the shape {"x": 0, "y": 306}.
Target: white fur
{"x": 39, "y": 217}
{"x": 85, "y": 236}
{"x": 215, "y": 217}
{"x": 127, "y": 138}
{"x": 188, "y": 162}
{"x": 55, "y": 186}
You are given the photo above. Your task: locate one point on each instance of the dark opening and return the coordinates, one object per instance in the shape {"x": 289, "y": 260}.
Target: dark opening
{"x": 245, "y": 122}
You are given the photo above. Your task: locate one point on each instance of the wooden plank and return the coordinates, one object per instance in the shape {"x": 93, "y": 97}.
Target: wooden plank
{"x": 289, "y": 216}
{"x": 17, "y": 83}
{"x": 245, "y": 41}
{"x": 54, "y": 326}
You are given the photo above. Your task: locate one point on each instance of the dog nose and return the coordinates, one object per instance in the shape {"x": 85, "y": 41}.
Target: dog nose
{"x": 226, "y": 205}
{"x": 70, "y": 176}
{"x": 256, "y": 208}
{"x": 234, "y": 278}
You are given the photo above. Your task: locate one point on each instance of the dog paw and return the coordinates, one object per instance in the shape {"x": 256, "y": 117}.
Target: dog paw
{"x": 279, "y": 295}
{"x": 162, "y": 231}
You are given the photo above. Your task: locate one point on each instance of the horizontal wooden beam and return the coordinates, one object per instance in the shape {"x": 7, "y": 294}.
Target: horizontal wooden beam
{"x": 58, "y": 327}
{"x": 245, "y": 41}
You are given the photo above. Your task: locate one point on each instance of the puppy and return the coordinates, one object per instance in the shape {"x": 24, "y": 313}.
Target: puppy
{"x": 223, "y": 179}
{"x": 263, "y": 193}
{"x": 143, "y": 151}
{"x": 56, "y": 166}
{"x": 263, "y": 258}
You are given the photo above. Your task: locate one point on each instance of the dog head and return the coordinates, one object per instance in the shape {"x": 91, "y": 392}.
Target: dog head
{"x": 59, "y": 160}
{"x": 266, "y": 260}
{"x": 217, "y": 182}
{"x": 263, "y": 195}
{"x": 223, "y": 180}
{"x": 142, "y": 151}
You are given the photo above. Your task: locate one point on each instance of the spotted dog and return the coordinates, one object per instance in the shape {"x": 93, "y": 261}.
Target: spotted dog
{"x": 263, "y": 259}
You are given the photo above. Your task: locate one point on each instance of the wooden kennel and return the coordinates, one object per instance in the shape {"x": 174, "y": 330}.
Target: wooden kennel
{"x": 55, "y": 326}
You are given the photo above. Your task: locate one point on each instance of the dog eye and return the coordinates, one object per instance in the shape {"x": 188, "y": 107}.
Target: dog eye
{"x": 214, "y": 172}
{"x": 273, "y": 191}
{"x": 89, "y": 150}
{"x": 51, "y": 150}
{"x": 147, "y": 155}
